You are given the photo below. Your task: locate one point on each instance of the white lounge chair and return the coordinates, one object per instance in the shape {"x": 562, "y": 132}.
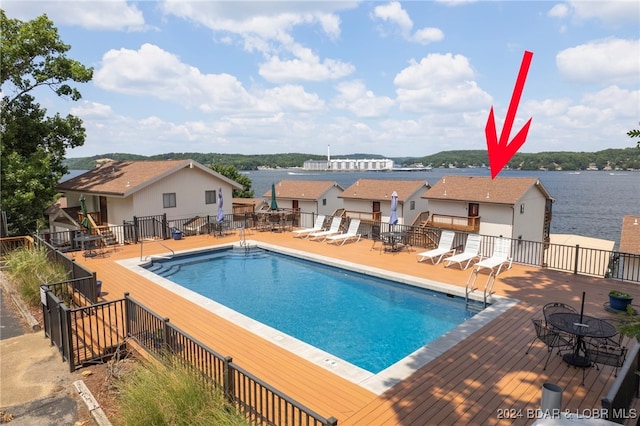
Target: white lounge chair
{"x": 351, "y": 234}
{"x": 334, "y": 229}
{"x": 445, "y": 245}
{"x": 317, "y": 227}
{"x": 501, "y": 256}
{"x": 471, "y": 251}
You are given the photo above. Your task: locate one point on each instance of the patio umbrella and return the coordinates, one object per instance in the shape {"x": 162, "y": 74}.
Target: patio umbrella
{"x": 274, "y": 203}
{"x": 582, "y": 307}
{"x": 85, "y": 216}
{"x": 220, "y": 211}
{"x": 393, "y": 219}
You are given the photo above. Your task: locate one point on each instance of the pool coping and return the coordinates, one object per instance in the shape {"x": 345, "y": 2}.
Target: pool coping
{"x": 376, "y": 383}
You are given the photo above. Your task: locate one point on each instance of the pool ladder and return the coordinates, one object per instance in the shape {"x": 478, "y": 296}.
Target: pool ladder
{"x": 173, "y": 253}
{"x": 243, "y": 240}
{"x": 471, "y": 286}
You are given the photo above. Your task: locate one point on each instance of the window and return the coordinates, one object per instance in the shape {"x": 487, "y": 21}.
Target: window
{"x": 210, "y": 197}
{"x": 169, "y": 200}
{"x": 412, "y": 205}
{"x": 324, "y": 201}
{"x": 521, "y": 208}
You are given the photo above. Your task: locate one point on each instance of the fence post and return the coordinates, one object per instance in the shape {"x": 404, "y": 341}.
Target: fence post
{"x": 65, "y": 336}
{"x": 332, "y": 421}
{"x": 135, "y": 229}
{"x": 575, "y": 266}
{"x": 126, "y": 315}
{"x": 165, "y": 333}
{"x": 164, "y": 226}
{"x": 227, "y": 378}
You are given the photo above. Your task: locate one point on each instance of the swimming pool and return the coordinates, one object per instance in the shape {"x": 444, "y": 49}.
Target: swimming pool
{"x": 367, "y": 321}
{"x": 377, "y": 383}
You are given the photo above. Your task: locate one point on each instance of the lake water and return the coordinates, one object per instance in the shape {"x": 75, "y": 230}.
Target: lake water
{"x": 588, "y": 203}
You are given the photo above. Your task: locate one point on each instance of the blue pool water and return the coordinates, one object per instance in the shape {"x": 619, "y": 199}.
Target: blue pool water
{"x": 369, "y": 322}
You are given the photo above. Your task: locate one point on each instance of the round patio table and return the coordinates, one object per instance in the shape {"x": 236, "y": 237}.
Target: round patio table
{"x": 587, "y": 326}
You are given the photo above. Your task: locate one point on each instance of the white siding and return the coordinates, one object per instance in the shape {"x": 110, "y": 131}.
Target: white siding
{"x": 530, "y": 223}
{"x": 189, "y": 185}
{"x": 119, "y": 210}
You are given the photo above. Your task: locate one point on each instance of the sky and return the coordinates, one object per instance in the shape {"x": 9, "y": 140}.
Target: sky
{"x": 397, "y": 79}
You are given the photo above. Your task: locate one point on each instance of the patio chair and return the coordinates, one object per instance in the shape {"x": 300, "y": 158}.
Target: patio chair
{"x": 317, "y": 227}
{"x": 550, "y": 337}
{"x": 615, "y": 340}
{"x": 445, "y": 245}
{"x": 500, "y": 257}
{"x": 555, "y": 308}
{"x": 333, "y": 229}
{"x": 351, "y": 234}
{"x": 471, "y": 251}
{"x": 611, "y": 355}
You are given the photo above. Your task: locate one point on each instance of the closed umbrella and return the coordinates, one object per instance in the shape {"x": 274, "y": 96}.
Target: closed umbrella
{"x": 220, "y": 210}
{"x": 274, "y": 203}
{"x": 393, "y": 219}
{"x": 85, "y": 216}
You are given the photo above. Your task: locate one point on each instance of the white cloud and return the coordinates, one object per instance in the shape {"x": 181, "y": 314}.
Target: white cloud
{"x": 560, "y": 10}
{"x": 307, "y": 68}
{"x": 611, "y": 13}
{"x": 439, "y": 81}
{"x": 293, "y": 98}
{"x": 114, "y": 15}
{"x": 428, "y": 35}
{"x": 609, "y": 61}
{"x": 151, "y": 71}
{"x": 354, "y": 97}
{"x": 394, "y": 13}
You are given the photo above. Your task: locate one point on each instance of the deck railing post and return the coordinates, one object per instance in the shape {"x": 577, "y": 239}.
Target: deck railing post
{"x": 575, "y": 266}
{"x": 127, "y": 315}
{"x": 165, "y": 334}
{"x": 227, "y": 384}
{"x": 164, "y": 227}
{"x": 332, "y": 421}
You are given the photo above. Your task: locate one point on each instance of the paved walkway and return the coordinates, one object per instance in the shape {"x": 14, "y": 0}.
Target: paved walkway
{"x": 11, "y": 324}
{"x": 36, "y": 387}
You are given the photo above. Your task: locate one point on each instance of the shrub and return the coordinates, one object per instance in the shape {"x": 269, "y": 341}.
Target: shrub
{"x": 28, "y": 268}
{"x": 175, "y": 395}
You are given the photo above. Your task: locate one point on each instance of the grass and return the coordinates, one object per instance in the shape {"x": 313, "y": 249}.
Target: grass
{"x": 174, "y": 395}
{"x": 28, "y": 268}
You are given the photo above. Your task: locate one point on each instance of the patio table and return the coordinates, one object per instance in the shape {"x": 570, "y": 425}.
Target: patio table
{"x": 88, "y": 244}
{"x": 587, "y": 326}
{"x": 393, "y": 240}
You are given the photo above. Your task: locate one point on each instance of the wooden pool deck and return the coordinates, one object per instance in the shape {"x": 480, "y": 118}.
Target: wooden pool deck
{"x": 471, "y": 383}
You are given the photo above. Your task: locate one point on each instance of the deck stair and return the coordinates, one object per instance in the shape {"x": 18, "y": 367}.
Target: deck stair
{"x": 196, "y": 224}
{"x": 108, "y": 237}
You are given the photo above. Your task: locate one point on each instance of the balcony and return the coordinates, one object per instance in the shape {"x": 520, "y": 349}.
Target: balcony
{"x": 454, "y": 223}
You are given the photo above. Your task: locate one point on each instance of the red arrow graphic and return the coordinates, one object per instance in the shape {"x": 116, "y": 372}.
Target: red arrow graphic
{"x": 500, "y": 152}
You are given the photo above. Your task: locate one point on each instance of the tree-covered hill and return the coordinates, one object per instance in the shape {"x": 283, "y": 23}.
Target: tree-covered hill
{"x": 628, "y": 158}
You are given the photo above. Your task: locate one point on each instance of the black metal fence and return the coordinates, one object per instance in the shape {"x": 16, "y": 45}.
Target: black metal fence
{"x": 575, "y": 259}
{"x": 86, "y": 334}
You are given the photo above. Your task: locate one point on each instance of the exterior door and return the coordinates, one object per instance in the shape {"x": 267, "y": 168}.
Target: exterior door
{"x": 474, "y": 212}
{"x": 103, "y": 211}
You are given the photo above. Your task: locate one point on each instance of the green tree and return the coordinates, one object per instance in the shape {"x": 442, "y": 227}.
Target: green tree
{"x": 33, "y": 144}
{"x": 634, "y": 133}
{"x": 232, "y": 173}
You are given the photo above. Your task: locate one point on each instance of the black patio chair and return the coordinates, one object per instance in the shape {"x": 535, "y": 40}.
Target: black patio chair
{"x": 612, "y": 355}
{"x": 550, "y": 337}
{"x": 555, "y": 308}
